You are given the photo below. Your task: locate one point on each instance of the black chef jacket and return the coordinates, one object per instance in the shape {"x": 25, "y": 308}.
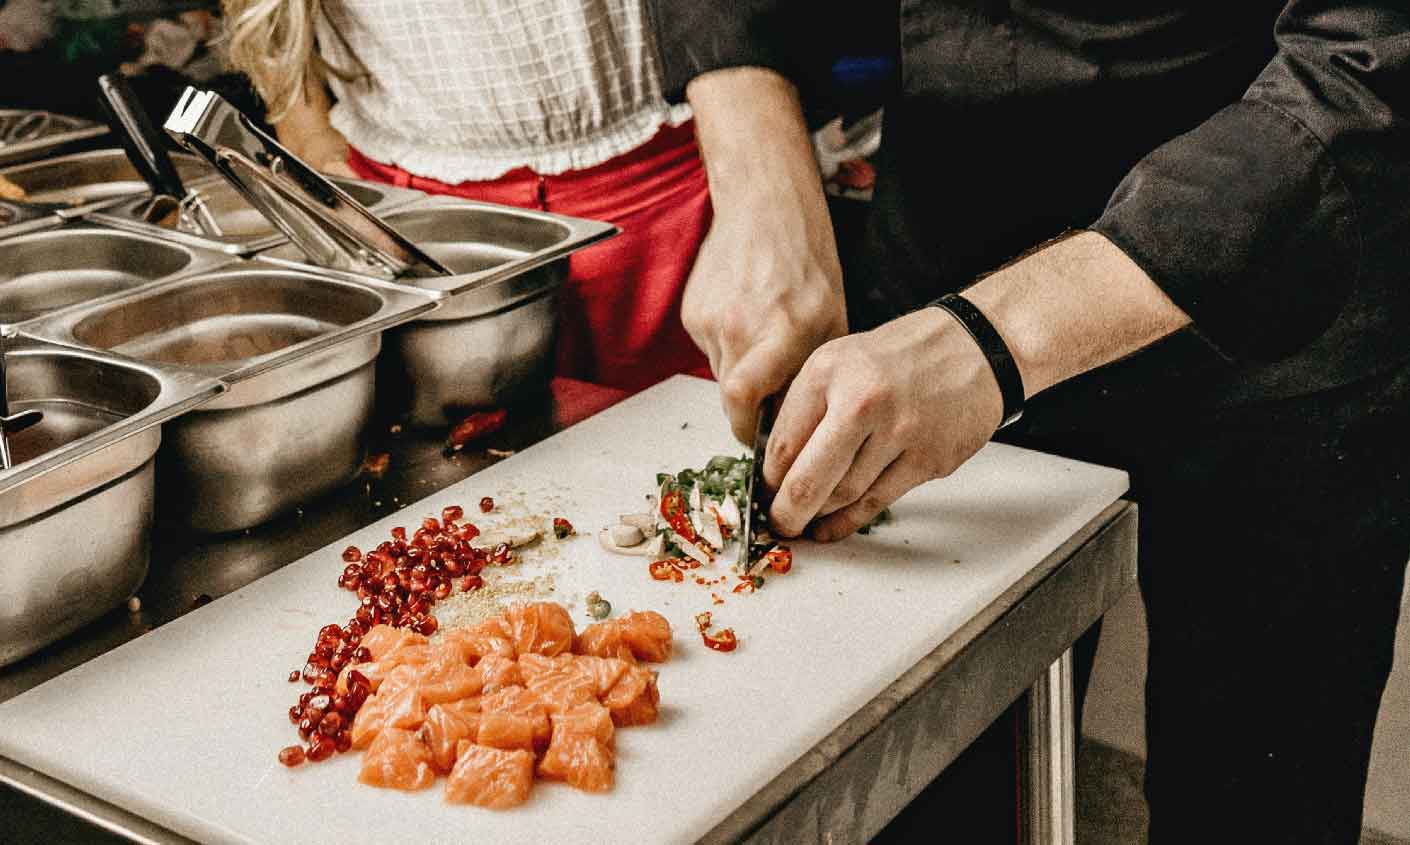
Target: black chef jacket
{"x": 1252, "y": 157}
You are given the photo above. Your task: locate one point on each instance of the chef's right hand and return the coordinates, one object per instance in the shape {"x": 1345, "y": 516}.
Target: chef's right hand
{"x": 766, "y": 288}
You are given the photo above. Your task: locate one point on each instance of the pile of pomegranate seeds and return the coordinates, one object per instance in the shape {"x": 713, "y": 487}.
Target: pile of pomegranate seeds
{"x": 396, "y": 584}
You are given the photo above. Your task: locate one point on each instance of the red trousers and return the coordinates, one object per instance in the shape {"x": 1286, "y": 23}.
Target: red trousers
{"x": 620, "y": 312}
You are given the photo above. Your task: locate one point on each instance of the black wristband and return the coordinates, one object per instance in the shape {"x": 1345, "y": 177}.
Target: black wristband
{"x": 996, "y": 352}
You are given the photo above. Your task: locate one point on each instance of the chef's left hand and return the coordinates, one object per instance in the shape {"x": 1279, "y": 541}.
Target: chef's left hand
{"x": 872, "y": 415}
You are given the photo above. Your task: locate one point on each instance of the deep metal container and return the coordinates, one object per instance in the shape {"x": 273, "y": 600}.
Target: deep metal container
{"x": 76, "y": 508}
{"x": 90, "y": 180}
{"x": 55, "y": 268}
{"x": 296, "y": 351}
{"x": 243, "y": 229}
{"x": 26, "y": 134}
{"x": 491, "y": 339}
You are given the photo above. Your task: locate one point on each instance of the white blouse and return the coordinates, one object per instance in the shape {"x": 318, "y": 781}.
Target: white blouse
{"x": 461, "y": 90}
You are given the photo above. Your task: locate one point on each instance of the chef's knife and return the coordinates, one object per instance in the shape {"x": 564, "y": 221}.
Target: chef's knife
{"x": 755, "y": 512}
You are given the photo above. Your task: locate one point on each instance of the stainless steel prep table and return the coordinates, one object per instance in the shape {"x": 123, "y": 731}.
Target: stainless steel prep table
{"x": 843, "y": 789}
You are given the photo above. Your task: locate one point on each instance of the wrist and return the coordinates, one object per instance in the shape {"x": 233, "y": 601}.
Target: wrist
{"x": 995, "y": 351}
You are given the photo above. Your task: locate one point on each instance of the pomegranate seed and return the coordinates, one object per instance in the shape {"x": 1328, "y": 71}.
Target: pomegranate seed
{"x": 306, "y": 698}
{"x": 399, "y": 533}
{"x": 339, "y": 704}
{"x": 361, "y": 654}
{"x": 365, "y": 616}
{"x": 468, "y": 532}
{"x": 321, "y": 748}
{"x": 357, "y": 679}
{"x": 352, "y": 554}
{"x": 486, "y": 505}
{"x": 356, "y": 696}
{"x": 310, "y": 673}
{"x": 295, "y": 714}
{"x": 471, "y": 582}
{"x": 476, "y": 566}
{"x": 320, "y": 689}
{"x": 501, "y": 554}
{"x": 306, "y": 726}
{"x": 331, "y": 723}
{"x": 454, "y": 567}
{"x": 452, "y": 513}
{"x": 427, "y": 626}
{"x": 414, "y": 554}
{"x": 339, "y": 661}
{"x": 351, "y": 571}
{"x": 313, "y": 716}
{"x": 327, "y": 679}
{"x": 343, "y": 741}
{"x": 323, "y": 651}
{"x": 293, "y": 676}
{"x": 420, "y": 571}
{"x": 291, "y": 756}
{"x": 442, "y": 590}
{"x": 430, "y": 524}
{"x": 331, "y": 632}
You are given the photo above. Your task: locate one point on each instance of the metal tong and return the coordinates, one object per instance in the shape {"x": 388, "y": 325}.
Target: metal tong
{"x": 146, "y": 150}
{"x": 333, "y": 229}
{"x": 10, "y": 423}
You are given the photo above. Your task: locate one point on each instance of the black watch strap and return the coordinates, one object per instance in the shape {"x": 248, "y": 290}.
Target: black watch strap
{"x": 994, "y": 349}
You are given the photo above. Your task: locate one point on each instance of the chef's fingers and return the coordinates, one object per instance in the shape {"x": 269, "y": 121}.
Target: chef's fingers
{"x": 872, "y": 459}
{"x": 903, "y": 474}
{"x": 799, "y": 412}
{"x": 822, "y": 463}
{"x": 758, "y": 373}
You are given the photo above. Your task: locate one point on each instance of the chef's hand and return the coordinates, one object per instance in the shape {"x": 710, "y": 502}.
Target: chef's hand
{"x": 766, "y": 288}
{"x": 872, "y": 415}
{"x": 305, "y": 130}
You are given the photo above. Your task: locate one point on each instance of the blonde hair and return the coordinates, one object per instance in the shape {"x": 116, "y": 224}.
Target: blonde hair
{"x": 272, "y": 42}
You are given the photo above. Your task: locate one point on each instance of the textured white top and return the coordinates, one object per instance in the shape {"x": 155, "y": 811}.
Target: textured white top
{"x": 470, "y": 89}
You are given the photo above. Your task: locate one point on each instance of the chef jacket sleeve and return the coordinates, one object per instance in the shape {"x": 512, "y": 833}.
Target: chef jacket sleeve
{"x": 1262, "y": 222}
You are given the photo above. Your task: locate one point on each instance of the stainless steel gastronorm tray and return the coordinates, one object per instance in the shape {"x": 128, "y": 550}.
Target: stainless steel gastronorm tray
{"x": 152, "y": 394}
{"x": 244, "y": 230}
{"x": 481, "y": 243}
{"x": 190, "y": 319}
{"x": 83, "y": 182}
{"x": 27, "y": 134}
{"x": 80, "y": 263}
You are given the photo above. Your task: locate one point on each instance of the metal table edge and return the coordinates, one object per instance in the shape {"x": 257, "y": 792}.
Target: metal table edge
{"x": 786, "y": 789}
{"x": 80, "y": 804}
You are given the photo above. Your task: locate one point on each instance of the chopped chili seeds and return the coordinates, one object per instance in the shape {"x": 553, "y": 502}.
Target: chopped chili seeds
{"x": 723, "y": 640}
{"x": 666, "y": 570}
{"x": 780, "y": 559}
{"x": 562, "y": 528}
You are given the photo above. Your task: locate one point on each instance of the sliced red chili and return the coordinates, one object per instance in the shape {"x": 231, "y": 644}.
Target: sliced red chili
{"x": 666, "y": 570}
{"x": 673, "y": 509}
{"x": 562, "y": 527}
{"x": 780, "y": 559}
{"x": 744, "y": 587}
{"x": 723, "y": 640}
{"x": 475, "y": 426}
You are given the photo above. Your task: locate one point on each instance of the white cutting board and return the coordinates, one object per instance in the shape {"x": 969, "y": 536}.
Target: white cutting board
{"x": 182, "y": 725}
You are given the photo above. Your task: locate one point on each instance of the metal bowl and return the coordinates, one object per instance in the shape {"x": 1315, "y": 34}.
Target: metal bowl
{"x": 44, "y": 271}
{"x": 297, "y": 351}
{"x": 491, "y": 339}
{"x": 26, "y": 135}
{"x": 76, "y": 508}
{"x": 91, "y": 179}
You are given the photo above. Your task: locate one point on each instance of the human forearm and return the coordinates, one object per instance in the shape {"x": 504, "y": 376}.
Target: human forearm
{"x": 1076, "y": 305}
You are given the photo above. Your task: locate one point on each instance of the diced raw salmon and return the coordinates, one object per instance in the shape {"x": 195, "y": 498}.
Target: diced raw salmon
{"x": 445, "y": 726}
{"x": 475, "y": 643}
{"x": 604, "y": 639}
{"x": 449, "y": 680}
{"x": 633, "y": 699}
{"x": 490, "y": 777}
{"x": 591, "y": 719}
{"x": 577, "y": 755}
{"x": 539, "y": 628}
{"x": 647, "y": 634}
{"x": 533, "y": 665}
{"x": 397, "y": 759}
{"x": 382, "y": 639}
{"x": 406, "y": 654}
{"x": 604, "y": 672}
{"x": 513, "y": 718}
{"x": 402, "y": 709}
{"x": 498, "y": 672}
{"x": 562, "y": 690}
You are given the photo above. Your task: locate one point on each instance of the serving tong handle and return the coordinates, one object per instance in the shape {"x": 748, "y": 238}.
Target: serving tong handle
{"x": 10, "y": 423}
{"x": 333, "y": 229}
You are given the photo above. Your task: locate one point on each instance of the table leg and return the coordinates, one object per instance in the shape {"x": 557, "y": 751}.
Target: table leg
{"x": 1048, "y": 754}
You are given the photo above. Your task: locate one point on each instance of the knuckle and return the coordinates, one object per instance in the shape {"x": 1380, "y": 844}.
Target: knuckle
{"x": 800, "y": 488}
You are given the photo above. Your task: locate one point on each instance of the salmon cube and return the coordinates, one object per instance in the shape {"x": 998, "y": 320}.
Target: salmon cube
{"x": 604, "y": 639}
{"x": 578, "y": 759}
{"x": 448, "y": 681}
{"x": 476, "y": 643}
{"x": 533, "y": 665}
{"x": 634, "y": 698}
{"x": 513, "y": 718}
{"x": 647, "y": 634}
{"x": 562, "y": 690}
{"x": 397, "y": 759}
{"x": 383, "y": 639}
{"x": 540, "y": 628}
{"x": 604, "y": 672}
{"x": 402, "y": 709}
{"x": 446, "y": 726}
{"x": 490, "y": 777}
{"x": 498, "y": 672}
{"x": 590, "y": 719}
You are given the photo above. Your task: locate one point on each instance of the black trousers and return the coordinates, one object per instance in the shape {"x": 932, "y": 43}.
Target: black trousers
{"x": 1273, "y": 547}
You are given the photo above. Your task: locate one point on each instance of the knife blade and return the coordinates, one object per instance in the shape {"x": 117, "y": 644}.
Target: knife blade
{"x": 755, "y": 512}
